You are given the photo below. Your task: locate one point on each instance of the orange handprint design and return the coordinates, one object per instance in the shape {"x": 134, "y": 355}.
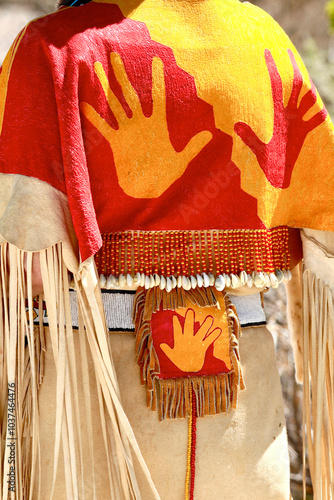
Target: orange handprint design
{"x": 189, "y": 350}
{"x": 278, "y": 158}
{"x": 146, "y": 161}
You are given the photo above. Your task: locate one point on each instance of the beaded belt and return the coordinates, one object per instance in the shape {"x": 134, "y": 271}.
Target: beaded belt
{"x": 118, "y": 306}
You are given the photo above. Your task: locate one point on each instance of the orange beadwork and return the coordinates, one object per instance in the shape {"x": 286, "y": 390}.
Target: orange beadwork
{"x": 194, "y": 252}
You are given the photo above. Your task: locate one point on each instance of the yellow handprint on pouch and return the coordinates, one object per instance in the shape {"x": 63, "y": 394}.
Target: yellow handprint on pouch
{"x": 146, "y": 161}
{"x": 190, "y": 348}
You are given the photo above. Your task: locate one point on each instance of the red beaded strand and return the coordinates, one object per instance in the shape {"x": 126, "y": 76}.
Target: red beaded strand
{"x": 203, "y": 252}
{"x": 269, "y": 253}
{"x": 197, "y": 253}
{"x": 135, "y": 253}
{"x": 184, "y": 254}
{"x": 163, "y": 269}
{"x": 172, "y": 252}
{"x": 210, "y": 251}
{"x": 149, "y": 252}
{"x": 155, "y": 237}
{"x": 177, "y": 253}
{"x": 224, "y": 244}
{"x": 191, "y": 247}
{"x": 216, "y": 253}
{"x": 167, "y": 254}
{"x": 112, "y": 256}
{"x": 129, "y": 252}
{"x": 122, "y": 252}
{"x": 141, "y": 253}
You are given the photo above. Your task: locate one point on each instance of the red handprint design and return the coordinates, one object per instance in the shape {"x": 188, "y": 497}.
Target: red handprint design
{"x": 278, "y": 158}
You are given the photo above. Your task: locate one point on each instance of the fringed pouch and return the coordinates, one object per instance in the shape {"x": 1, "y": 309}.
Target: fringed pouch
{"x": 187, "y": 341}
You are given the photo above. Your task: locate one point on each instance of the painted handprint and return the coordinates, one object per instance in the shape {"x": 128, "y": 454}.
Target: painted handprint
{"x": 146, "y": 161}
{"x": 278, "y": 158}
{"x": 189, "y": 350}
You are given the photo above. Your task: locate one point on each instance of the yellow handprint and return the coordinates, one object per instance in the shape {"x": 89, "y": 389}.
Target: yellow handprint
{"x": 190, "y": 348}
{"x": 146, "y": 162}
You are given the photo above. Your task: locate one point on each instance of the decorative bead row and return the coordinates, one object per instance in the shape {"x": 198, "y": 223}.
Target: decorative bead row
{"x": 260, "y": 280}
{"x": 190, "y": 253}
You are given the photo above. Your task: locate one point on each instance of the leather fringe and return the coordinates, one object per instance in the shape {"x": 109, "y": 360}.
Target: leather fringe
{"x": 21, "y": 375}
{"x": 172, "y": 397}
{"x": 318, "y": 381}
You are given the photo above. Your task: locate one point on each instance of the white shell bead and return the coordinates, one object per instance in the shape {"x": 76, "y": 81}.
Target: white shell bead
{"x": 227, "y": 280}
{"x": 147, "y": 282}
{"x": 184, "y": 282}
{"x": 193, "y": 282}
{"x": 122, "y": 280}
{"x": 157, "y": 279}
{"x": 152, "y": 282}
{"x": 169, "y": 285}
{"x": 137, "y": 279}
{"x": 174, "y": 282}
{"x": 243, "y": 277}
{"x": 259, "y": 280}
{"x": 162, "y": 284}
{"x": 200, "y": 280}
{"x": 220, "y": 283}
{"x": 103, "y": 281}
{"x": 142, "y": 279}
{"x": 206, "y": 280}
{"x": 273, "y": 280}
{"x": 111, "y": 281}
{"x": 211, "y": 279}
{"x": 129, "y": 280}
{"x": 179, "y": 281}
{"x": 235, "y": 281}
{"x": 266, "y": 279}
{"x": 279, "y": 276}
{"x": 250, "y": 281}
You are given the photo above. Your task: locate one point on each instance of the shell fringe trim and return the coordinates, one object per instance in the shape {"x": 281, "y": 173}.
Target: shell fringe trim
{"x": 169, "y": 283}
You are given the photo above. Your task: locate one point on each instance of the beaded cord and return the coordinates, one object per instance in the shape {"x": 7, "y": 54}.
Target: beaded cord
{"x": 191, "y": 451}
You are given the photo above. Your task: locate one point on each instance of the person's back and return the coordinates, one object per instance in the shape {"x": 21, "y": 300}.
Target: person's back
{"x": 183, "y": 134}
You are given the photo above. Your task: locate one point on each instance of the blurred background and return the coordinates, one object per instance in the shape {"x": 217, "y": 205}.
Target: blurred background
{"x": 310, "y": 25}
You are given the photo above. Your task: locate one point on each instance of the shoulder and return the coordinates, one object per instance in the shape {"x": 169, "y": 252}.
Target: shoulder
{"x": 262, "y": 20}
{"x": 68, "y": 24}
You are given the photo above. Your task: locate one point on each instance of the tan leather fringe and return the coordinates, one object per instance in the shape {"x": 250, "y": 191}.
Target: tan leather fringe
{"x": 318, "y": 381}
{"x": 188, "y": 253}
{"x": 172, "y": 397}
{"x": 21, "y": 374}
